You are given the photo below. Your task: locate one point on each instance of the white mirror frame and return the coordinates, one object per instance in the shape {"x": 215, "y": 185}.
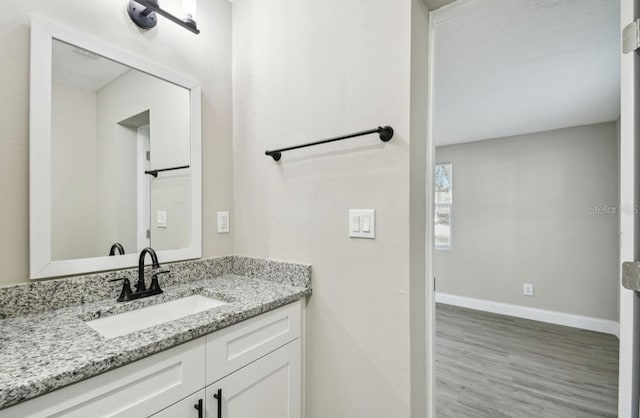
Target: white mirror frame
{"x": 40, "y": 264}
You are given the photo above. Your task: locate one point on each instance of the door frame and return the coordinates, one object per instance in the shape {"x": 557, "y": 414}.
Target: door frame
{"x": 629, "y": 371}
{"x": 143, "y": 187}
{"x": 629, "y": 154}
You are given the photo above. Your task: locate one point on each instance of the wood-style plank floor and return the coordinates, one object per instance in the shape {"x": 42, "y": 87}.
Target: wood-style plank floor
{"x": 491, "y": 365}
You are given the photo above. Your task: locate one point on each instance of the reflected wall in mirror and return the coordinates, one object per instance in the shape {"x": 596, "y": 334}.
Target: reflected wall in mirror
{"x": 109, "y": 124}
{"x": 122, "y": 156}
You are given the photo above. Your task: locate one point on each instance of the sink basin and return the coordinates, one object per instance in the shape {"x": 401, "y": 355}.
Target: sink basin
{"x": 127, "y": 322}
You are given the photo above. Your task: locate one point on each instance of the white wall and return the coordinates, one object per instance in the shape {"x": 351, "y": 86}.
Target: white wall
{"x": 73, "y": 173}
{"x": 305, "y": 70}
{"x": 422, "y": 318}
{"x": 168, "y": 108}
{"x": 116, "y": 162}
{"x": 170, "y": 193}
{"x": 524, "y": 212}
{"x": 205, "y": 57}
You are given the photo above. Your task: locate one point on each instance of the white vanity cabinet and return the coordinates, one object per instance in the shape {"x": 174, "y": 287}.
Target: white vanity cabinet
{"x": 190, "y": 407}
{"x": 138, "y": 389}
{"x": 256, "y": 364}
{"x": 234, "y": 347}
{"x": 266, "y": 388}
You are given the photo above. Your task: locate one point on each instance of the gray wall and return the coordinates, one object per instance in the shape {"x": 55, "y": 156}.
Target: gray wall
{"x": 523, "y": 212}
{"x": 206, "y": 57}
{"x": 337, "y": 72}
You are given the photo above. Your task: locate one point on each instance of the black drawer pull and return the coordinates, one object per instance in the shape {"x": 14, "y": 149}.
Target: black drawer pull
{"x": 198, "y": 406}
{"x": 218, "y": 396}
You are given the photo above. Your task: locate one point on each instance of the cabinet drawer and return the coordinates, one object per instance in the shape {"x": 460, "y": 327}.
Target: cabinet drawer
{"x": 138, "y": 389}
{"x": 233, "y": 348}
{"x": 190, "y": 407}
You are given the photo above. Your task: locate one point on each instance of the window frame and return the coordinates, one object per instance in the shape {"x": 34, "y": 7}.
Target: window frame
{"x": 449, "y": 205}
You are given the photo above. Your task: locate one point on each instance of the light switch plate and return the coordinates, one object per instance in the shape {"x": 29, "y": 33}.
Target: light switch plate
{"x": 162, "y": 219}
{"x": 223, "y": 222}
{"x": 362, "y": 223}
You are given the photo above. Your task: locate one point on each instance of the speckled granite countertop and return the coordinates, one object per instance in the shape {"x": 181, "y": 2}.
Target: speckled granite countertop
{"x": 41, "y": 352}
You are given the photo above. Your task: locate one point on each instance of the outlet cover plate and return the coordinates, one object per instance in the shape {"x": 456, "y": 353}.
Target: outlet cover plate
{"x": 223, "y": 222}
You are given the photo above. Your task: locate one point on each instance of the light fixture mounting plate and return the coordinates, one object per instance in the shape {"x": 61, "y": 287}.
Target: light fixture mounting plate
{"x": 141, "y": 16}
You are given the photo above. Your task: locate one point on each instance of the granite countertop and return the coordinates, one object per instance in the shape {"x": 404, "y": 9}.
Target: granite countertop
{"x": 45, "y": 351}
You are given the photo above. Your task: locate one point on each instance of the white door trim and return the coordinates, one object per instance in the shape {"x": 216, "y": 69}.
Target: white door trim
{"x": 430, "y": 290}
{"x": 144, "y": 187}
{"x": 629, "y": 372}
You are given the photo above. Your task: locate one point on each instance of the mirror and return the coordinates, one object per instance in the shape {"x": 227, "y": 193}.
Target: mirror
{"x": 114, "y": 157}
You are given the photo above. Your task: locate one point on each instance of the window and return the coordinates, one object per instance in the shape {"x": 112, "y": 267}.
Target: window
{"x": 442, "y": 213}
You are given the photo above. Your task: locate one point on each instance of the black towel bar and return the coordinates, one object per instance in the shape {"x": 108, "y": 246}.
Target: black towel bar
{"x": 386, "y": 133}
{"x": 154, "y": 173}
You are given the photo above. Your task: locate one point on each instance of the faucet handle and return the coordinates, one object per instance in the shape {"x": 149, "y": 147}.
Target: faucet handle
{"x": 126, "y": 289}
{"x": 155, "y": 285}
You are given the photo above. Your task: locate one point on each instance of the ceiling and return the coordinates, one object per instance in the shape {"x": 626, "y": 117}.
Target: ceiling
{"x": 509, "y": 67}
{"x": 436, "y": 4}
{"x": 81, "y": 69}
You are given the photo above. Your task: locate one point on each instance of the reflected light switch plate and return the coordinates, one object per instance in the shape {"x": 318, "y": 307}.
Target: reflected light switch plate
{"x": 362, "y": 223}
{"x": 162, "y": 219}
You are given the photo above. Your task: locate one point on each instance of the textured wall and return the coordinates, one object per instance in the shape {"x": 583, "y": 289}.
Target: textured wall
{"x": 206, "y": 57}
{"x": 305, "y": 70}
{"x": 73, "y": 184}
{"x": 525, "y": 210}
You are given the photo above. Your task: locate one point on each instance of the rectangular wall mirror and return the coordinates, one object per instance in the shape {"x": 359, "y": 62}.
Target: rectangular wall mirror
{"x": 115, "y": 161}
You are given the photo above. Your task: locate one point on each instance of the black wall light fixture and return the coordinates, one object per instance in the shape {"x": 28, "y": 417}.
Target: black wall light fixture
{"x": 144, "y": 14}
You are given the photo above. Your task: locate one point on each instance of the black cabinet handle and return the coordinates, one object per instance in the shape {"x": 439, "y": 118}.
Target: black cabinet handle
{"x": 218, "y": 396}
{"x": 198, "y": 406}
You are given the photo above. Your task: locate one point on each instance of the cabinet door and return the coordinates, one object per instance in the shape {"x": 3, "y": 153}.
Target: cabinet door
{"x": 267, "y": 388}
{"x": 190, "y": 407}
{"x": 139, "y": 389}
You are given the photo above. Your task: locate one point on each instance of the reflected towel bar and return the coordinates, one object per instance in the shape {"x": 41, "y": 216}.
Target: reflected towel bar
{"x": 154, "y": 173}
{"x": 386, "y": 133}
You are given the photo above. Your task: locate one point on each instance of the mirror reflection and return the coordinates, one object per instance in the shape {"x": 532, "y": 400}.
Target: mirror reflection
{"x": 120, "y": 150}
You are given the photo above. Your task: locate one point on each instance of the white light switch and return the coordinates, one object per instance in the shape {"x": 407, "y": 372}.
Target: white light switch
{"x": 162, "y": 219}
{"x": 362, "y": 223}
{"x": 366, "y": 223}
{"x": 355, "y": 223}
{"x": 223, "y": 222}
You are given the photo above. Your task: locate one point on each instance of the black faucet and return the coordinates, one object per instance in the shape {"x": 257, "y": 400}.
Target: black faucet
{"x": 116, "y": 247}
{"x": 140, "y": 286}
{"x": 141, "y": 289}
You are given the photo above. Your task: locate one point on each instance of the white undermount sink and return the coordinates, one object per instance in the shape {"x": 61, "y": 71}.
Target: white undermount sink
{"x": 127, "y": 322}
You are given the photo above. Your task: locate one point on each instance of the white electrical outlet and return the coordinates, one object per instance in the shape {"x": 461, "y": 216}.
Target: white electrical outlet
{"x": 223, "y": 222}
{"x": 527, "y": 289}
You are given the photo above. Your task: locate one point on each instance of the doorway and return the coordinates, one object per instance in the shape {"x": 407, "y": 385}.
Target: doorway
{"x": 526, "y": 129}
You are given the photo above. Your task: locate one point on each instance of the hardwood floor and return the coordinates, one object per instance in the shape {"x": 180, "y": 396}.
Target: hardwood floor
{"x": 490, "y": 365}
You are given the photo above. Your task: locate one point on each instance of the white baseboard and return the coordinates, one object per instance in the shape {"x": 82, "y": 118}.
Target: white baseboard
{"x": 542, "y": 315}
